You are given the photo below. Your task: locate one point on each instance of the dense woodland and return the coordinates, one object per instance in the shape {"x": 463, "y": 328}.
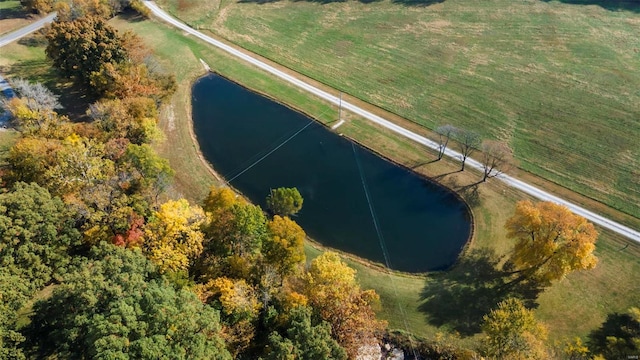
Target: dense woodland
{"x": 97, "y": 262}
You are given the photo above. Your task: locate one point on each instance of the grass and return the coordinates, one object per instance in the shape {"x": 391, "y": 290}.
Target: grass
{"x": 556, "y": 81}
{"x": 12, "y": 16}
{"x": 573, "y": 307}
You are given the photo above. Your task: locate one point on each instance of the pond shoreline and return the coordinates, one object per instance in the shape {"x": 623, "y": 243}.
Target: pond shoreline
{"x": 434, "y": 190}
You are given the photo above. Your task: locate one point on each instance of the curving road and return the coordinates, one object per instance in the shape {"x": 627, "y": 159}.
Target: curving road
{"x": 13, "y": 36}
{"x": 511, "y": 181}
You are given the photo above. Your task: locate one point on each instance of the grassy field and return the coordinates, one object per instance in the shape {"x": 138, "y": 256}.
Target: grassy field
{"x": 12, "y": 16}
{"x": 558, "y": 81}
{"x": 573, "y": 307}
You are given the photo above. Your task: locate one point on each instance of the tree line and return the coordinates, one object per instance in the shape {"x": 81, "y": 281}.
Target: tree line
{"x": 496, "y": 158}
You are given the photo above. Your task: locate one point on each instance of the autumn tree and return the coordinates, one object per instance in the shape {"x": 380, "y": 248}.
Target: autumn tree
{"x": 284, "y": 201}
{"x": 83, "y": 46}
{"x": 134, "y": 119}
{"x": 333, "y": 292}
{"x": 551, "y": 241}
{"x": 284, "y": 247}
{"x": 512, "y": 332}
{"x": 71, "y": 10}
{"x": 303, "y": 338}
{"x": 445, "y": 133}
{"x": 173, "y": 239}
{"x": 238, "y": 303}
{"x": 116, "y": 305}
{"x": 496, "y": 158}
{"x": 38, "y": 6}
{"x": 468, "y": 142}
{"x": 79, "y": 163}
{"x": 30, "y": 158}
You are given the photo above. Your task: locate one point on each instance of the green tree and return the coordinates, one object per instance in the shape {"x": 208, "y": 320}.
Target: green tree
{"x": 116, "y": 306}
{"x": 513, "y": 333}
{"x": 83, "y": 46}
{"x": 14, "y": 293}
{"x": 284, "y": 201}
{"x": 302, "y": 339}
{"x": 36, "y": 232}
{"x": 551, "y": 241}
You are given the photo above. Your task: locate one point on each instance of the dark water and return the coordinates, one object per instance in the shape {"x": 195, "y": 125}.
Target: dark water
{"x": 420, "y": 224}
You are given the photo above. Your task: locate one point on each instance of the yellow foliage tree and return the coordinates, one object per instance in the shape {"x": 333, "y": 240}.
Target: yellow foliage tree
{"x": 332, "y": 290}
{"x": 551, "y": 241}
{"x": 284, "y": 248}
{"x": 238, "y": 302}
{"x": 173, "y": 238}
{"x": 513, "y": 333}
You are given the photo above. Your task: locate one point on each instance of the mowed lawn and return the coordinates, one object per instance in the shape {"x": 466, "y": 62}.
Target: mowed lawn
{"x": 559, "y": 82}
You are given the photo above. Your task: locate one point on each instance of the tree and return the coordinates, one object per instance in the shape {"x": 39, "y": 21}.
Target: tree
{"x": 496, "y": 158}
{"x": 36, "y": 96}
{"x": 38, "y": 6}
{"x": 36, "y": 232}
{"x": 115, "y": 305}
{"x": 133, "y": 118}
{"x": 29, "y": 159}
{"x": 468, "y": 142}
{"x": 445, "y": 132}
{"x": 512, "y": 332}
{"x": 550, "y": 242}
{"x": 238, "y": 303}
{"x": 302, "y": 339}
{"x": 147, "y": 170}
{"x": 15, "y": 291}
{"x": 284, "y": 247}
{"x": 284, "y": 201}
{"x": 79, "y": 163}
{"x": 173, "y": 239}
{"x": 618, "y": 337}
{"x": 83, "y": 46}
{"x": 332, "y": 290}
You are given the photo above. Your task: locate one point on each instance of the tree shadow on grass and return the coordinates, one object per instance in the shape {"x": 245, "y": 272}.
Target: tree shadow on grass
{"x": 13, "y": 13}
{"x": 611, "y": 5}
{"x": 459, "y": 298}
{"x": 401, "y": 2}
{"x": 418, "y": 2}
{"x": 74, "y": 99}
{"x": 624, "y": 328}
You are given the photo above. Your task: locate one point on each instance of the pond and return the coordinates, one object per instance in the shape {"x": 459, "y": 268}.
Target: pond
{"x": 354, "y": 200}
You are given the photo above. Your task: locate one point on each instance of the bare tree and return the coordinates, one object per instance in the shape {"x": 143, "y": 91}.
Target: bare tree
{"x": 469, "y": 141}
{"x": 36, "y": 96}
{"x": 496, "y": 158}
{"x": 445, "y": 133}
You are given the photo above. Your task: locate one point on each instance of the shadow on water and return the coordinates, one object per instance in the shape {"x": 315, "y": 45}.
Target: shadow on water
{"x": 611, "y": 5}
{"x": 458, "y": 299}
